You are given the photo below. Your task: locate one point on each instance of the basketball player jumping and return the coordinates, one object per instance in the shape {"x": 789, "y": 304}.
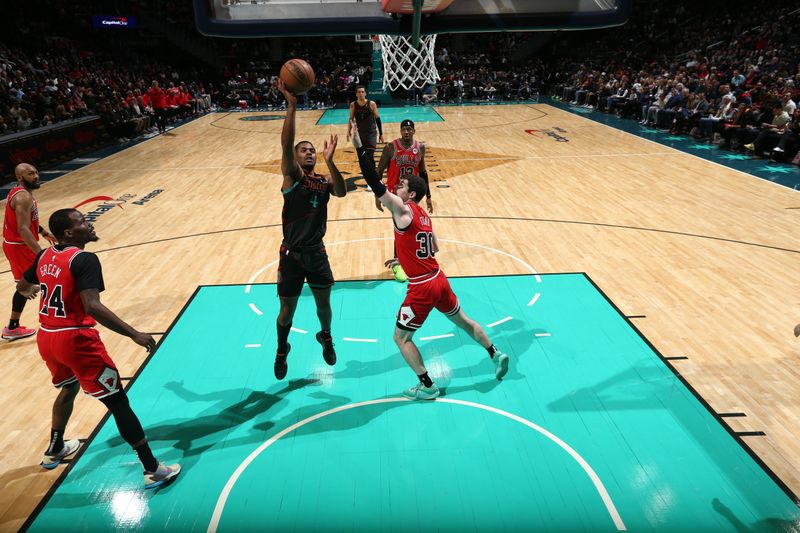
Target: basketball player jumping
{"x": 428, "y": 287}
{"x": 71, "y": 281}
{"x": 305, "y": 216}
{"x": 403, "y": 157}
{"x": 21, "y": 231}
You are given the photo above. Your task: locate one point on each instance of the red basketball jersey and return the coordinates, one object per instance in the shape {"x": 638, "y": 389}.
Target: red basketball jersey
{"x": 10, "y": 228}
{"x": 60, "y": 303}
{"x": 415, "y": 246}
{"x": 405, "y": 162}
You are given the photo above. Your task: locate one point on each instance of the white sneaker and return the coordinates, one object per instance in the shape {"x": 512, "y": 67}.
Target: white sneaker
{"x": 51, "y": 461}
{"x": 163, "y": 474}
{"x": 421, "y": 392}
{"x": 501, "y": 364}
{"x": 778, "y": 149}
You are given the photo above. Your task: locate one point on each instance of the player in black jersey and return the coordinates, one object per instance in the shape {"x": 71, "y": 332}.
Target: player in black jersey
{"x": 368, "y": 122}
{"x": 305, "y": 215}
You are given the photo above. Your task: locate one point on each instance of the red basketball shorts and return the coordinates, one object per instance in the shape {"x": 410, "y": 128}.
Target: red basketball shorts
{"x": 79, "y": 355}
{"x": 422, "y": 297}
{"x": 20, "y": 257}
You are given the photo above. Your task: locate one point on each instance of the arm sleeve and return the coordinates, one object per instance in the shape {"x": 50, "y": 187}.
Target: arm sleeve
{"x": 367, "y": 165}
{"x": 30, "y": 274}
{"x": 87, "y": 272}
{"x": 380, "y": 127}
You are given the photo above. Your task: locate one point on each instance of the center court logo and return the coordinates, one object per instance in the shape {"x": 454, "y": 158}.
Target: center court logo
{"x": 108, "y": 203}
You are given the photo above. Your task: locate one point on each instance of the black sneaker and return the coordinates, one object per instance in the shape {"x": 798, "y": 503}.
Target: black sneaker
{"x": 328, "y": 353}
{"x": 280, "y": 362}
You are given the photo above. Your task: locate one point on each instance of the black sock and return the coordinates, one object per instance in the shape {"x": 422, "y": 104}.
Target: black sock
{"x": 145, "y": 455}
{"x": 56, "y": 442}
{"x": 326, "y": 334}
{"x": 283, "y": 334}
{"x": 491, "y": 349}
{"x": 426, "y": 379}
{"x": 13, "y": 323}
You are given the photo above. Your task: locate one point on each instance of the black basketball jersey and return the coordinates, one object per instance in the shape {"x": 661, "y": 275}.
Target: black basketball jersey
{"x": 365, "y": 120}
{"x": 305, "y": 211}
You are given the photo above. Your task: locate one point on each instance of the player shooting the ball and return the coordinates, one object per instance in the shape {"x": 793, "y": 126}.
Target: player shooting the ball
{"x": 305, "y": 216}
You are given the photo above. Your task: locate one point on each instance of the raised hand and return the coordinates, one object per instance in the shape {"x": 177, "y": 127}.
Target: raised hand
{"x": 291, "y": 99}
{"x": 329, "y": 148}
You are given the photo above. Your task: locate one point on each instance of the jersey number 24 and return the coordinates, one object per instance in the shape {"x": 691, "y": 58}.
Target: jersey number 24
{"x": 53, "y": 301}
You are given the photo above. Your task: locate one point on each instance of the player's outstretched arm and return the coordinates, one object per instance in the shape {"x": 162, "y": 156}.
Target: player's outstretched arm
{"x": 93, "y": 306}
{"x": 387, "y": 198}
{"x": 289, "y": 165}
{"x": 339, "y": 187}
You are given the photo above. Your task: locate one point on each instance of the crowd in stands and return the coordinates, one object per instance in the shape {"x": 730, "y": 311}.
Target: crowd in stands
{"x": 63, "y": 81}
{"x": 485, "y": 72}
{"x": 727, "y": 80}
{"x": 689, "y": 68}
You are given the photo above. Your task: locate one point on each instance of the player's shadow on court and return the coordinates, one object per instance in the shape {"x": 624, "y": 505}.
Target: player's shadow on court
{"x": 195, "y": 435}
{"x": 766, "y": 525}
{"x": 343, "y": 421}
{"x": 514, "y": 335}
{"x": 357, "y": 369}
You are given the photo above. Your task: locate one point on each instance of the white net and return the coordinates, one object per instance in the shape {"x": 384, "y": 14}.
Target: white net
{"x": 405, "y": 66}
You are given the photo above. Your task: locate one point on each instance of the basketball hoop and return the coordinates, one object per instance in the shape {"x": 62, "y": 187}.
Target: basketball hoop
{"x": 406, "y": 66}
{"x": 408, "y": 60}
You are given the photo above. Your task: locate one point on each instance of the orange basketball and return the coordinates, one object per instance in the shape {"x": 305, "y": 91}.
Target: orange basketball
{"x": 297, "y": 75}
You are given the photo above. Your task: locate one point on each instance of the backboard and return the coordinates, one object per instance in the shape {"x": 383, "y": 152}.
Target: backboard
{"x": 272, "y": 18}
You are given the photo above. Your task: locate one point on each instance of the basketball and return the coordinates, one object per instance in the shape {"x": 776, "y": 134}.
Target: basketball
{"x": 297, "y": 75}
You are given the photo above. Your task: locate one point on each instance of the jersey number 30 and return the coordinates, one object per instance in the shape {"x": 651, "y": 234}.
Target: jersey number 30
{"x": 52, "y": 301}
{"x": 425, "y": 240}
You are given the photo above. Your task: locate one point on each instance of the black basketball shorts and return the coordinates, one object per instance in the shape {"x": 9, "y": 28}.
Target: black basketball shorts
{"x": 294, "y": 268}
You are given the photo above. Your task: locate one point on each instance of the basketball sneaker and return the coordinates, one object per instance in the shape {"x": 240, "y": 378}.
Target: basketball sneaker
{"x": 421, "y": 392}
{"x": 501, "y": 364}
{"x": 281, "y": 366}
{"x": 328, "y": 353}
{"x": 51, "y": 461}
{"x": 163, "y": 474}
{"x": 399, "y": 274}
{"x": 20, "y": 332}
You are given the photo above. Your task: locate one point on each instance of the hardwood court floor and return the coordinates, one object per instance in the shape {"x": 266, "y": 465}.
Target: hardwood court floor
{"x": 707, "y": 254}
